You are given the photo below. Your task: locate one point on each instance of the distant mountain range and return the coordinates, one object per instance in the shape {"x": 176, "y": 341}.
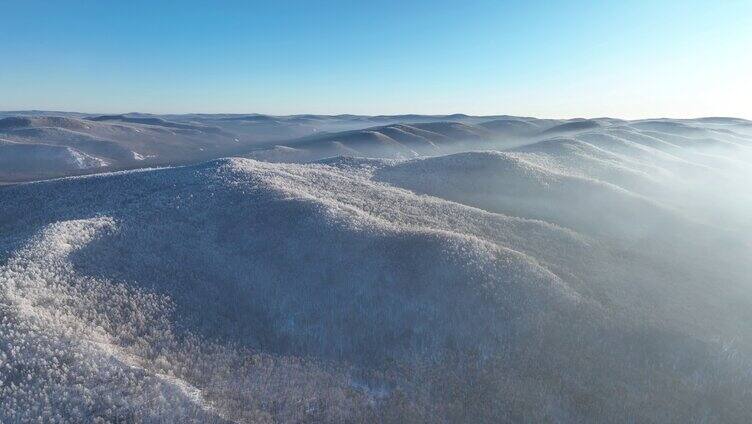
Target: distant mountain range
{"x": 40, "y": 145}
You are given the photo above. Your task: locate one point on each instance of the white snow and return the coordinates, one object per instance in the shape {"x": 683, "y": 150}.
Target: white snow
{"x": 607, "y": 264}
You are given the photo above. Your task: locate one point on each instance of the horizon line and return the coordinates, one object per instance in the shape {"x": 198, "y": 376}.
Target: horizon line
{"x": 372, "y": 116}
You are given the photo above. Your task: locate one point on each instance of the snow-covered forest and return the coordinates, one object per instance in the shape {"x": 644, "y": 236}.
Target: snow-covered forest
{"x": 383, "y": 269}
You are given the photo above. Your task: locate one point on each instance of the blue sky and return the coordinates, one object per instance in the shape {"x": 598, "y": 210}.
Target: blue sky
{"x": 555, "y": 59}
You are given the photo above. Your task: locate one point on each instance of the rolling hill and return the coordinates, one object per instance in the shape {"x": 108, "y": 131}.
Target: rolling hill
{"x": 591, "y": 275}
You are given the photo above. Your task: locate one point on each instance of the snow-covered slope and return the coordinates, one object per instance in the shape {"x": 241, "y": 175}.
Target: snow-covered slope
{"x": 137, "y": 140}
{"x": 19, "y": 160}
{"x": 585, "y": 277}
{"x": 393, "y": 141}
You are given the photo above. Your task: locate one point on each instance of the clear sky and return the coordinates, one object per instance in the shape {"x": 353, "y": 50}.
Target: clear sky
{"x": 626, "y": 59}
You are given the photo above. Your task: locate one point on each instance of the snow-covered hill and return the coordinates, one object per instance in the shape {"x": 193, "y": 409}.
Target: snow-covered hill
{"x": 597, "y": 273}
{"x": 136, "y": 140}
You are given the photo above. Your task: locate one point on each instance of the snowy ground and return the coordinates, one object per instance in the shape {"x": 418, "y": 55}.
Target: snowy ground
{"x": 597, "y": 272}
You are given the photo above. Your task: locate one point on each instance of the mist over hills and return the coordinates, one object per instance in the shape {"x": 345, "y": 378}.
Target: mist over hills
{"x": 375, "y": 269}
{"x": 137, "y": 140}
{"x": 40, "y": 145}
